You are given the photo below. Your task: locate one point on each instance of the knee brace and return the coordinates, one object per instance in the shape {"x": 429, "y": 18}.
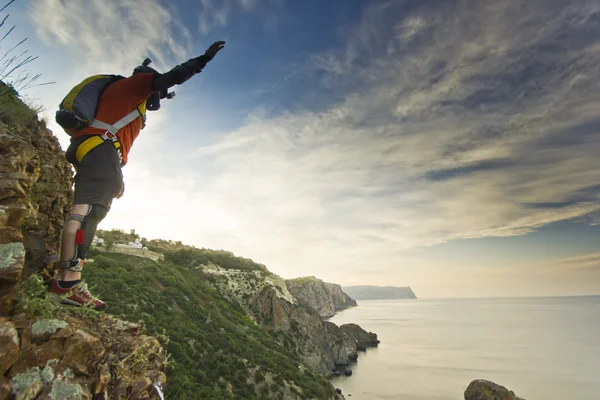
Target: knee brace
{"x": 84, "y": 236}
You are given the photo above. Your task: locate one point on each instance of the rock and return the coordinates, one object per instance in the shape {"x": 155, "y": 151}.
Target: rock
{"x": 82, "y": 350}
{"x": 63, "y": 333}
{"x": 51, "y": 350}
{"x": 20, "y": 320}
{"x": 338, "y": 390}
{"x": 36, "y": 255}
{"x": 5, "y": 388}
{"x": 347, "y": 372}
{"x": 12, "y": 257}
{"x": 320, "y": 344}
{"x": 140, "y": 389}
{"x": 42, "y": 329}
{"x": 47, "y": 374}
{"x": 485, "y": 390}
{"x": 102, "y": 382}
{"x": 27, "y": 361}
{"x": 27, "y": 386}
{"x": 61, "y": 389}
{"x": 121, "y": 390}
{"x": 363, "y": 338}
{"x": 128, "y": 327}
{"x": 9, "y": 346}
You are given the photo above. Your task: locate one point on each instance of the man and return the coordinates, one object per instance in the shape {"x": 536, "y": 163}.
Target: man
{"x": 98, "y": 156}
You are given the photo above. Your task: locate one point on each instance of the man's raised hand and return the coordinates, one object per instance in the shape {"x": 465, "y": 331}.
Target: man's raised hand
{"x": 214, "y": 49}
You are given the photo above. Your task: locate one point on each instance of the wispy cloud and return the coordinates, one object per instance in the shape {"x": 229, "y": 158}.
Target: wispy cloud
{"x": 216, "y": 13}
{"x": 115, "y": 35}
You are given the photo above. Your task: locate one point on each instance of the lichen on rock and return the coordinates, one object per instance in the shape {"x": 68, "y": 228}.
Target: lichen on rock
{"x": 42, "y": 329}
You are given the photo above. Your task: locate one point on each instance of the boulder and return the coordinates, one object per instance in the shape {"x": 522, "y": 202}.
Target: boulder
{"x": 42, "y": 329}
{"x": 82, "y": 350}
{"x": 363, "y": 338}
{"x": 9, "y": 346}
{"x": 5, "y": 388}
{"x": 27, "y": 385}
{"x": 481, "y": 389}
{"x": 12, "y": 258}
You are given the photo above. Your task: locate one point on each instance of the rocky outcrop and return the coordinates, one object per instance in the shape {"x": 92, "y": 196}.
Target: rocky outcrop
{"x": 485, "y": 390}
{"x": 363, "y": 338}
{"x": 69, "y": 356}
{"x": 99, "y": 359}
{"x": 322, "y": 297}
{"x": 320, "y": 344}
{"x": 379, "y": 292}
{"x": 35, "y": 194}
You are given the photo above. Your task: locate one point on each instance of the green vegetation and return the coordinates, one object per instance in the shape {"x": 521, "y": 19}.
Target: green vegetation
{"x": 212, "y": 358}
{"x": 33, "y": 298}
{"x": 304, "y": 280}
{"x": 184, "y": 255}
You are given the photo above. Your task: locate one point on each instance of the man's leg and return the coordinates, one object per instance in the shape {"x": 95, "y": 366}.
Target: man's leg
{"x": 77, "y": 237}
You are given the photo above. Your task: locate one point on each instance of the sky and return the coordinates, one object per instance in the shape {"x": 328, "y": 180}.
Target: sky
{"x": 447, "y": 145}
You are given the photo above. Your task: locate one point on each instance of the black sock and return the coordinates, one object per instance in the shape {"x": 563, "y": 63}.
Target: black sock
{"x": 68, "y": 284}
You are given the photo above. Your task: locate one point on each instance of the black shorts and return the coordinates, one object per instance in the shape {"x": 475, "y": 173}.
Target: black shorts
{"x": 99, "y": 178}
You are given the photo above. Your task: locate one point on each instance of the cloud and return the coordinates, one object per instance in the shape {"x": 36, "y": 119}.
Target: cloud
{"x": 464, "y": 121}
{"x": 216, "y": 13}
{"x": 115, "y": 35}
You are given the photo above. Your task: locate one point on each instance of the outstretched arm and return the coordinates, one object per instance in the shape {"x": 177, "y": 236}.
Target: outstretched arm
{"x": 185, "y": 71}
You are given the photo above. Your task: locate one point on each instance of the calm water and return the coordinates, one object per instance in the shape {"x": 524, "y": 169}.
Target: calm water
{"x": 541, "y": 348}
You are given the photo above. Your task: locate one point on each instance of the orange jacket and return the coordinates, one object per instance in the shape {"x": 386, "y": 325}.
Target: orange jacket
{"x": 118, "y": 100}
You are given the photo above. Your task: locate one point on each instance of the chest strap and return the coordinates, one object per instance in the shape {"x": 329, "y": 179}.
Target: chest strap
{"x": 132, "y": 116}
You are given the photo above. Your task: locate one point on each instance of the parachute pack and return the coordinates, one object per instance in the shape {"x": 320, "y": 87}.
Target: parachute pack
{"x": 78, "y": 108}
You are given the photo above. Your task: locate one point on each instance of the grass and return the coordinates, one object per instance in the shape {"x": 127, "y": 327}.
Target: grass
{"x": 34, "y": 300}
{"x": 15, "y": 108}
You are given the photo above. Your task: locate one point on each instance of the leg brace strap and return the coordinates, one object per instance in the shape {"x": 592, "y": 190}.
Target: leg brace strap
{"x": 76, "y": 217}
{"x": 74, "y": 265}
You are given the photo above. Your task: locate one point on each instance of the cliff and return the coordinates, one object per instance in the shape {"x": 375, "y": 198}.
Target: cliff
{"x": 50, "y": 352}
{"x": 322, "y": 297}
{"x": 379, "y": 292}
{"x": 322, "y": 345}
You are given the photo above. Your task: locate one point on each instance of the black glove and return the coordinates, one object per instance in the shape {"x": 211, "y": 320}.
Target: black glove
{"x": 214, "y": 48}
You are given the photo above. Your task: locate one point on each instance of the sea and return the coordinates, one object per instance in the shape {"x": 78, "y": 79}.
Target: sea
{"x": 540, "y": 348}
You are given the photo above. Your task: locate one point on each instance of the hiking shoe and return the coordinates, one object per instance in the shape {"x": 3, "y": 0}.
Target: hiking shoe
{"x": 78, "y": 295}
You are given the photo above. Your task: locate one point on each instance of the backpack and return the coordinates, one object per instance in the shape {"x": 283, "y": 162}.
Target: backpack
{"x": 78, "y": 108}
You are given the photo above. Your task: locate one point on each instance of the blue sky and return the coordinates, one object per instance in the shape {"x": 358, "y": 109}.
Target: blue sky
{"x": 447, "y": 145}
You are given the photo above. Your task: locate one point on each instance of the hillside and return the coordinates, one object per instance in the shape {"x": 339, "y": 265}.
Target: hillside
{"x": 323, "y": 297}
{"x": 379, "y": 292}
{"x": 217, "y": 351}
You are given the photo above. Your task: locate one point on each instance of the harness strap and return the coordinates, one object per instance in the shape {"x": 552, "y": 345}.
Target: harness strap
{"x": 132, "y": 116}
{"x": 94, "y": 142}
